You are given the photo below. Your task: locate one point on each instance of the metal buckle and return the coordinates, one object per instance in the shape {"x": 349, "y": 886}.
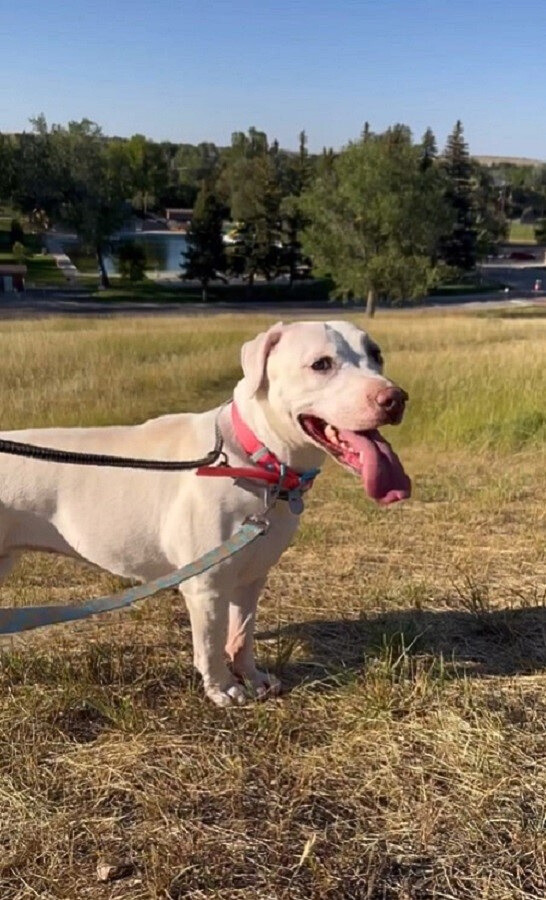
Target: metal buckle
{"x": 261, "y": 521}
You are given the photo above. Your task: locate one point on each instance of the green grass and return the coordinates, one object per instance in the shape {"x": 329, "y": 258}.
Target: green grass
{"x": 85, "y": 262}
{"x": 521, "y": 233}
{"x": 42, "y": 271}
{"x": 522, "y": 312}
{"x": 406, "y": 759}
{"x": 477, "y": 286}
{"x": 318, "y": 289}
{"x": 147, "y": 291}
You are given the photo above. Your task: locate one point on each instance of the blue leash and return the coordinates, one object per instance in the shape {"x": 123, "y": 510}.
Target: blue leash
{"x": 29, "y": 617}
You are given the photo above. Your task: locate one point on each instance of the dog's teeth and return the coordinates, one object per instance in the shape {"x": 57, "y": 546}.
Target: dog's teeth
{"x": 330, "y": 433}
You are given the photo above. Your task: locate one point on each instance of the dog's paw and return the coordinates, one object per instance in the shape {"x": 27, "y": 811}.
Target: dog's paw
{"x": 232, "y": 695}
{"x": 261, "y": 684}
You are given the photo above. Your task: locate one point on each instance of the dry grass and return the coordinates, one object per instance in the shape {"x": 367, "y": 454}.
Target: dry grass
{"x": 407, "y": 758}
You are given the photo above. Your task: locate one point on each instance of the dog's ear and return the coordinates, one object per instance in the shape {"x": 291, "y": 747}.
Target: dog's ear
{"x": 254, "y": 356}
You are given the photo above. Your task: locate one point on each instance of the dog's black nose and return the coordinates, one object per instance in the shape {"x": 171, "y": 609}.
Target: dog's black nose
{"x": 392, "y": 401}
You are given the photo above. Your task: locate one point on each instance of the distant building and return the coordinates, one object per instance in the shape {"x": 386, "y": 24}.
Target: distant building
{"x": 12, "y": 278}
{"x": 178, "y": 219}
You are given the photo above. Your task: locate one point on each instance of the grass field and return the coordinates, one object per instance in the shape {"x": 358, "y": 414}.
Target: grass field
{"x": 42, "y": 271}
{"x": 521, "y": 233}
{"x": 407, "y": 758}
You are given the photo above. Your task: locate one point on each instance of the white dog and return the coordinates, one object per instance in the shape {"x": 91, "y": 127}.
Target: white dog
{"x": 308, "y": 388}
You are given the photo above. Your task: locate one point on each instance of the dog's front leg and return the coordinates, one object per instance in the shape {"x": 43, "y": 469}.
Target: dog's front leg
{"x": 240, "y": 641}
{"x": 209, "y": 624}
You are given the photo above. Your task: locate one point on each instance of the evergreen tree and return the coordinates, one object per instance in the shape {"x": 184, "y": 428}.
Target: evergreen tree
{"x": 251, "y": 183}
{"x": 429, "y": 149}
{"x": 459, "y": 246}
{"x": 205, "y": 255}
{"x": 292, "y": 217}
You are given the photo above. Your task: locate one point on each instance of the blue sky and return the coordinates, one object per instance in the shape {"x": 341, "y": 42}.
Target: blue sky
{"x": 192, "y": 70}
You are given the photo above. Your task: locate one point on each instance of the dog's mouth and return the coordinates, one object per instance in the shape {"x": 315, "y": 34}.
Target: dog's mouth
{"x": 365, "y": 452}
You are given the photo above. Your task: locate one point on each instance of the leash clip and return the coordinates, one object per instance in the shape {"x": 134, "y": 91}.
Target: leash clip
{"x": 260, "y": 521}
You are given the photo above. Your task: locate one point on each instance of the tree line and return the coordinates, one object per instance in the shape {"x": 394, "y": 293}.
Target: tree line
{"x": 386, "y": 218}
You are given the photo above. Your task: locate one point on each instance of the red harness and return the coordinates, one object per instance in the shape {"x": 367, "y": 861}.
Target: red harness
{"x": 267, "y": 467}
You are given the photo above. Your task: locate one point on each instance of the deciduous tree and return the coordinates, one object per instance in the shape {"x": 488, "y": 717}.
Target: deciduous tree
{"x": 375, "y": 218}
{"x": 94, "y": 202}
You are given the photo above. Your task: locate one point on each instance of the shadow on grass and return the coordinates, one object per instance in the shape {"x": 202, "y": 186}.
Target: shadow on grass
{"x": 502, "y": 642}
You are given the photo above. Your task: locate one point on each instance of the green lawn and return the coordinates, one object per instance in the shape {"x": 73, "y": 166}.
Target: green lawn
{"x": 228, "y": 293}
{"x": 302, "y": 291}
{"x": 42, "y": 271}
{"x": 455, "y": 289}
{"x": 521, "y": 233}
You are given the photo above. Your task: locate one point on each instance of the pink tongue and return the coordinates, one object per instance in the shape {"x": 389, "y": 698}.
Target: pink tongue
{"x": 382, "y": 472}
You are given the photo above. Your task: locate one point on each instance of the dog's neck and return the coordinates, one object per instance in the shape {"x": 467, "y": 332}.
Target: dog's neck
{"x": 279, "y": 434}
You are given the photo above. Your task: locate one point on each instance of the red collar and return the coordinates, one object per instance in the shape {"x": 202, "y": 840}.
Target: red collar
{"x": 267, "y": 466}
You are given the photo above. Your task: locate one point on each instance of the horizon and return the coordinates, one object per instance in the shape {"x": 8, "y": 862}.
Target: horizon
{"x": 189, "y": 72}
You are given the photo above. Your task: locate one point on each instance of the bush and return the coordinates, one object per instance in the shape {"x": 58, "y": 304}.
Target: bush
{"x": 16, "y": 234}
{"x": 540, "y": 231}
{"x": 132, "y": 261}
{"x": 19, "y": 252}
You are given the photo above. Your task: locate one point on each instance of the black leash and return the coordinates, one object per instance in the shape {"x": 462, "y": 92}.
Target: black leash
{"x": 48, "y": 454}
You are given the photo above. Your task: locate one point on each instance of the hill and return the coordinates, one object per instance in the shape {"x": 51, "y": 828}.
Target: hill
{"x": 508, "y": 160}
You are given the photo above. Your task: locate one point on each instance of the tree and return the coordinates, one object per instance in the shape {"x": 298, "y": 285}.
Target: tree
{"x": 8, "y": 167}
{"x": 251, "y": 186}
{"x": 16, "y": 233}
{"x": 540, "y": 231}
{"x": 93, "y": 202}
{"x": 490, "y": 222}
{"x": 205, "y": 256}
{"x": 428, "y": 149}
{"x": 459, "y": 244}
{"x": 149, "y": 170}
{"x": 37, "y": 187}
{"x": 375, "y": 218}
{"x": 18, "y": 251}
{"x": 293, "y": 220}
{"x": 189, "y": 167}
{"x": 132, "y": 260}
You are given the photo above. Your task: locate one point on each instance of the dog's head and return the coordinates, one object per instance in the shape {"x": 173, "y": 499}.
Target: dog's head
{"x": 324, "y": 382}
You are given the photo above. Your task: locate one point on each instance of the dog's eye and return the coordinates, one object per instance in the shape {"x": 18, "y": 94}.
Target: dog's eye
{"x": 324, "y": 364}
{"x": 375, "y": 354}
